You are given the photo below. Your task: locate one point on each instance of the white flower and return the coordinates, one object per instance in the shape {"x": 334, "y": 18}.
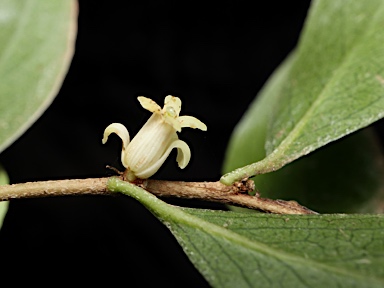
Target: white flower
{"x": 147, "y": 151}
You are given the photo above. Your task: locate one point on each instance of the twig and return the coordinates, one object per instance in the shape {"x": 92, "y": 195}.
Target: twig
{"x": 236, "y": 194}
{"x": 91, "y": 186}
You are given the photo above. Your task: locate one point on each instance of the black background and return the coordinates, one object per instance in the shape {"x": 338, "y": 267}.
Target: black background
{"x": 215, "y": 56}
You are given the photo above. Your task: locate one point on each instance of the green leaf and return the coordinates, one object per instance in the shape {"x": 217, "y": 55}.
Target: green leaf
{"x": 36, "y": 46}
{"x": 261, "y": 250}
{"x": 344, "y": 176}
{"x": 4, "y": 204}
{"x": 334, "y": 86}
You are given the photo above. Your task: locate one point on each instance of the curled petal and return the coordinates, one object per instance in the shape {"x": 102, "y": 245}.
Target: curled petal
{"x": 172, "y": 106}
{"x": 183, "y": 157}
{"x": 183, "y": 153}
{"x": 149, "y": 104}
{"x": 122, "y": 132}
{"x": 192, "y": 122}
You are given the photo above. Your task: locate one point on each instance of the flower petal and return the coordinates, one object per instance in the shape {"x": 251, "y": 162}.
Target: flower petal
{"x": 149, "y": 104}
{"x": 150, "y": 143}
{"x": 172, "y": 106}
{"x": 173, "y": 122}
{"x": 122, "y": 132}
{"x": 183, "y": 157}
{"x": 192, "y": 122}
{"x": 183, "y": 153}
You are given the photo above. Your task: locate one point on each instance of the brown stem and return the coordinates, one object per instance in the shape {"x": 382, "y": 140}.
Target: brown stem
{"x": 236, "y": 194}
{"x": 91, "y": 186}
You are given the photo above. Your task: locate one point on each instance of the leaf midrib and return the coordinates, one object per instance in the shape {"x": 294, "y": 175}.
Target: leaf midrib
{"x": 258, "y": 247}
{"x": 289, "y": 139}
{"x": 168, "y": 213}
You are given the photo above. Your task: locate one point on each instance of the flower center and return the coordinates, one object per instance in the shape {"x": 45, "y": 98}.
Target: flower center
{"x": 170, "y": 111}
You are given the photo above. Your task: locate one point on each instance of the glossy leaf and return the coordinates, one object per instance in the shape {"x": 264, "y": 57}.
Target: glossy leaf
{"x": 261, "y": 250}
{"x": 36, "y": 46}
{"x": 334, "y": 86}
